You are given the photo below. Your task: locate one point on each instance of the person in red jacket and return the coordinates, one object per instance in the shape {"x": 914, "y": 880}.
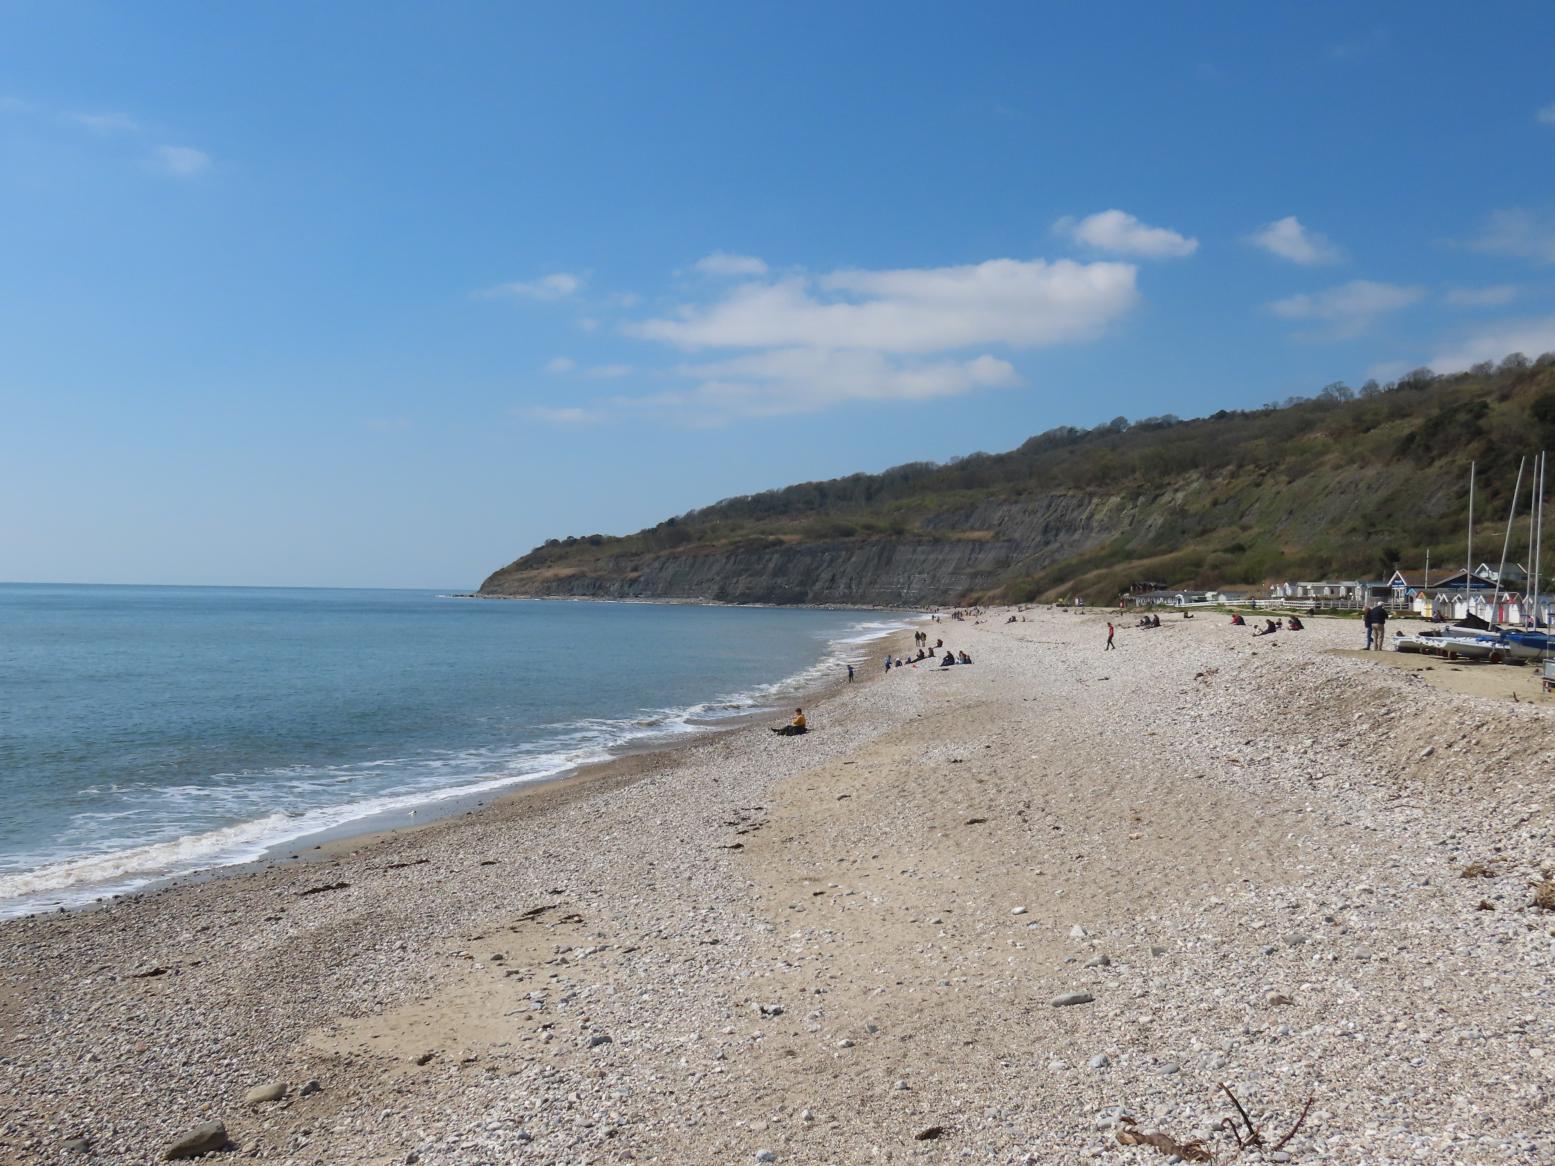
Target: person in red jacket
{"x": 1111, "y": 631}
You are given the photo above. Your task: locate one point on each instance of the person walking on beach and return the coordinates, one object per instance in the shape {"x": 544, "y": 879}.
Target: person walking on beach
{"x": 1379, "y": 626}
{"x": 1367, "y": 617}
{"x": 850, "y": 673}
{"x": 1111, "y": 631}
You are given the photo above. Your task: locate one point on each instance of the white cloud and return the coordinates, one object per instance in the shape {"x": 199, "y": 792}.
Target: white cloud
{"x": 1481, "y": 297}
{"x": 180, "y": 161}
{"x": 1121, "y": 233}
{"x": 559, "y": 285}
{"x": 1546, "y": 116}
{"x": 1288, "y": 239}
{"x": 1388, "y": 370}
{"x": 1023, "y": 303}
{"x": 560, "y": 364}
{"x": 724, "y": 264}
{"x": 570, "y": 415}
{"x": 106, "y": 123}
{"x": 1518, "y": 233}
{"x": 1533, "y": 338}
{"x": 805, "y": 380}
{"x": 1350, "y": 307}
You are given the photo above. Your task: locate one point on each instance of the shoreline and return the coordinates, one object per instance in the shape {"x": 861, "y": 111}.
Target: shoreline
{"x": 826, "y": 946}
{"x": 921, "y": 609}
{"x": 380, "y": 824}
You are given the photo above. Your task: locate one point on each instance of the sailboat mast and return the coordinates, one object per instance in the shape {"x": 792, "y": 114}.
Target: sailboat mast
{"x": 1538, "y": 537}
{"x": 1468, "y": 562}
{"x": 1506, "y": 543}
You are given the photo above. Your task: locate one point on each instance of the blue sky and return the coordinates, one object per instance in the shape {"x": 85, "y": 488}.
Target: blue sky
{"x": 385, "y": 294}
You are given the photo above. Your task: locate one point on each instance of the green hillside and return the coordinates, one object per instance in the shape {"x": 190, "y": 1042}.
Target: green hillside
{"x": 1344, "y": 483}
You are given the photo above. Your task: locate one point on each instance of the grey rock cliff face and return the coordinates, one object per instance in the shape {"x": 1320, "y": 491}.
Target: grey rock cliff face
{"x": 958, "y": 553}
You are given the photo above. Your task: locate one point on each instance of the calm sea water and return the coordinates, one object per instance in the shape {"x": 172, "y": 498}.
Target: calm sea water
{"x": 150, "y": 731}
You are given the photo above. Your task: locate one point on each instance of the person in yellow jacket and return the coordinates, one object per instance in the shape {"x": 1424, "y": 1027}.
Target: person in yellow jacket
{"x": 794, "y": 727}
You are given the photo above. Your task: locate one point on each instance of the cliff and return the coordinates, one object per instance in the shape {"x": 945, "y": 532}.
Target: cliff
{"x": 1346, "y": 483}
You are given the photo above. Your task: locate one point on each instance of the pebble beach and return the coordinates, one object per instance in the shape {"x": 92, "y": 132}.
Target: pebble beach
{"x": 1059, "y": 905}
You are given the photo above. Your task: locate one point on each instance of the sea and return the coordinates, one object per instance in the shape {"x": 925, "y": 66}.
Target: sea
{"x": 151, "y": 732}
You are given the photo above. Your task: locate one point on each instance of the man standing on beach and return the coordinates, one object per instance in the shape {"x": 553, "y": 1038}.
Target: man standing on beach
{"x": 1111, "y": 647}
{"x": 1379, "y": 626}
{"x": 850, "y": 672}
{"x": 1366, "y": 618}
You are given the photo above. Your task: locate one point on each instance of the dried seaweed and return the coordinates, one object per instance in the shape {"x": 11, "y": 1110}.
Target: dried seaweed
{"x": 1194, "y": 1151}
{"x": 1544, "y": 895}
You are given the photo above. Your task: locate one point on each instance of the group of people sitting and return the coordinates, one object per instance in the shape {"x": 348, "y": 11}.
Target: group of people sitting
{"x": 1270, "y": 626}
{"x": 928, "y": 653}
{"x": 925, "y": 652}
{"x": 1149, "y": 621}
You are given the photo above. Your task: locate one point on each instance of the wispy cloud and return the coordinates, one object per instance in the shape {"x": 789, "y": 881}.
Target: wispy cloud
{"x": 173, "y": 161}
{"x": 1531, "y": 337}
{"x": 1350, "y": 308}
{"x": 559, "y": 285}
{"x": 180, "y": 161}
{"x": 1120, "y": 233}
{"x": 1289, "y": 239}
{"x": 1387, "y": 370}
{"x": 1024, "y": 303}
{"x": 567, "y": 415}
{"x": 722, "y": 263}
{"x": 770, "y": 345}
{"x": 1481, "y": 297}
{"x": 1546, "y": 115}
{"x": 1521, "y": 234}
{"x": 806, "y": 380}
{"x": 106, "y": 123}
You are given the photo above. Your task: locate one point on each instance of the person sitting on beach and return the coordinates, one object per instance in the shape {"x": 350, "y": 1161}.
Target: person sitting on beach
{"x": 948, "y": 660}
{"x": 963, "y": 658}
{"x": 1237, "y": 621}
{"x": 1155, "y": 621}
{"x": 939, "y": 643}
{"x": 794, "y": 727}
{"x": 1268, "y": 629}
{"x": 1294, "y": 624}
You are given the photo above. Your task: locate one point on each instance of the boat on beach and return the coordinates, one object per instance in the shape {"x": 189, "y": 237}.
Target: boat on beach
{"x": 1454, "y": 643}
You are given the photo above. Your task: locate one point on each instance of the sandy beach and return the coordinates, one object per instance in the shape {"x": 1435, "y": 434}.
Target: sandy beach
{"x": 997, "y": 913}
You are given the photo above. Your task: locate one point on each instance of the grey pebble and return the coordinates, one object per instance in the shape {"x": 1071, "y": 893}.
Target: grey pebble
{"x": 1071, "y": 998}
{"x": 203, "y": 1139}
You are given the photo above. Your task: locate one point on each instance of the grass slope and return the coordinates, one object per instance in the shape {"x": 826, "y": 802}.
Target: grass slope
{"x": 1343, "y": 484}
